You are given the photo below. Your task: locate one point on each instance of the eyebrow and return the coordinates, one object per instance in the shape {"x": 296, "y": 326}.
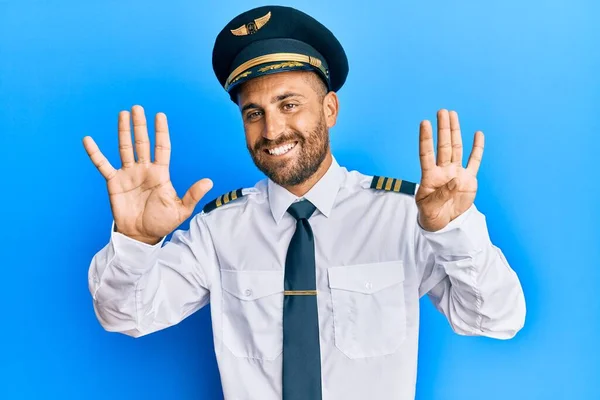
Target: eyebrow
{"x": 285, "y": 96}
{"x": 275, "y": 99}
{"x": 249, "y": 106}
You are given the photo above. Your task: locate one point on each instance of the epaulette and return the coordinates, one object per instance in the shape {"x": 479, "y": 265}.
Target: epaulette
{"x": 222, "y": 200}
{"x": 393, "y": 185}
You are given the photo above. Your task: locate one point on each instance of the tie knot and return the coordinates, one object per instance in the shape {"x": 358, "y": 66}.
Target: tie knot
{"x": 301, "y": 209}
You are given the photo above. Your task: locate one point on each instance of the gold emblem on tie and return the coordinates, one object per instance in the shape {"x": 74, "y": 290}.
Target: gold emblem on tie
{"x": 253, "y": 26}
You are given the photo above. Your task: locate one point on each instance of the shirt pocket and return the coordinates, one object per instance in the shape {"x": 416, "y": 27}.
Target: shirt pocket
{"x": 369, "y": 313}
{"x": 252, "y": 313}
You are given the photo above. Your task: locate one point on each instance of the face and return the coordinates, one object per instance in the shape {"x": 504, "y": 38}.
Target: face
{"x": 286, "y": 119}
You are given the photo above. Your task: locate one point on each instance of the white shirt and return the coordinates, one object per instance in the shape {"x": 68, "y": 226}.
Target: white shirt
{"x": 373, "y": 264}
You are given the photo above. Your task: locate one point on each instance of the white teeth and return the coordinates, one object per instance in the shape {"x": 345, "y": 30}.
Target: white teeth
{"x": 282, "y": 149}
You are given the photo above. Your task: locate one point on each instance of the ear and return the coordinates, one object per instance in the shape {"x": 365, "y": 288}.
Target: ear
{"x": 331, "y": 108}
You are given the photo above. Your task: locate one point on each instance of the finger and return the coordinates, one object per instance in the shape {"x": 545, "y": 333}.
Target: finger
{"x": 98, "y": 159}
{"x": 162, "y": 149}
{"x": 457, "y": 151}
{"x": 476, "y": 153}
{"x": 196, "y": 193}
{"x": 140, "y": 132}
{"x": 426, "y": 146}
{"x": 444, "y": 150}
{"x": 125, "y": 145}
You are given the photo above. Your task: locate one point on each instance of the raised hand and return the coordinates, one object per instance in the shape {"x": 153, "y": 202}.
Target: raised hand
{"x": 446, "y": 189}
{"x": 144, "y": 203}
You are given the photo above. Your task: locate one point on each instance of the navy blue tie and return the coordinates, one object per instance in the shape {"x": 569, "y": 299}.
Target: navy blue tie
{"x": 301, "y": 351}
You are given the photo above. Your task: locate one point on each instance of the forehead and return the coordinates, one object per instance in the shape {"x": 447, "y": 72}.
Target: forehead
{"x": 267, "y": 86}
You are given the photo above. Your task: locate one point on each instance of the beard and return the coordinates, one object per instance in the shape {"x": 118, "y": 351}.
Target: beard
{"x": 311, "y": 150}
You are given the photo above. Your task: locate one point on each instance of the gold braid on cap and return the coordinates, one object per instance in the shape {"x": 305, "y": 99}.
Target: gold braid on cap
{"x": 288, "y": 57}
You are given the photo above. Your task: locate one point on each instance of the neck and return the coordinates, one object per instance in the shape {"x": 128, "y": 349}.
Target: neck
{"x": 303, "y": 188}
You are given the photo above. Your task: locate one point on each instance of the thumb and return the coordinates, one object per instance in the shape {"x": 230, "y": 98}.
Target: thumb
{"x": 196, "y": 193}
{"x": 445, "y": 192}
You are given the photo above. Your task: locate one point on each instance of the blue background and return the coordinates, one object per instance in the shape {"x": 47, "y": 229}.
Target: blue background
{"x": 525, "y": 73}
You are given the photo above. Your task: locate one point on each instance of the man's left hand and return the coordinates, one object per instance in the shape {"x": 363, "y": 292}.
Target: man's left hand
{"x": 446, "y": 189}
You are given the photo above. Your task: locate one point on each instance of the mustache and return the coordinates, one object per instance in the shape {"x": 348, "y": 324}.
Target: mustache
{"x": 266, "y": 143}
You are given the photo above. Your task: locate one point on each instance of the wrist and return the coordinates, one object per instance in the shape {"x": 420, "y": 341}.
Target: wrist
{"x": 140, "y": 238}
{"x": 150, "y": 241}
{"x": 428, "y": 226}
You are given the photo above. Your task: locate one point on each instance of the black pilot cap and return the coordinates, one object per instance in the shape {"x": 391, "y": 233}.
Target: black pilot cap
{"x": 273, "y": 39}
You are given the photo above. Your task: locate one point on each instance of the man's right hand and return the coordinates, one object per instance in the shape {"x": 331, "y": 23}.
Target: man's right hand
{"x": 144, "y": 203}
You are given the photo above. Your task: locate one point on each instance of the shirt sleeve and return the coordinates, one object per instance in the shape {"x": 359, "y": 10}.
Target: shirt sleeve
{"x": 139, "y": 288}
{"x": 468, "y": 279}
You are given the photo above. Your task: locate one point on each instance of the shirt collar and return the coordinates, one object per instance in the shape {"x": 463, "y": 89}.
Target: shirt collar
{"x": 321, "y": 195}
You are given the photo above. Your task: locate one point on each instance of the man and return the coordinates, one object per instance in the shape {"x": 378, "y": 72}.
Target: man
{"x": 314, "y": 274}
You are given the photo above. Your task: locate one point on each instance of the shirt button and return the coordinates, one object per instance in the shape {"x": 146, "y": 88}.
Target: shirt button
{"x": 248, "y": 292}
{"x": 369, "y": 285}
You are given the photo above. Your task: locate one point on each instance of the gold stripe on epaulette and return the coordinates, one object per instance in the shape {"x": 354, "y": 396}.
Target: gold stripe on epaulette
{"x": 393, "y": 185}
{"x": 388, "y": 184}
{"x": 223, "y": 199}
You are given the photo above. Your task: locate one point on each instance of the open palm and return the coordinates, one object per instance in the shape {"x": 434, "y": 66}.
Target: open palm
{"x": 144, "y": 204}
{"x": 446, "y": 189}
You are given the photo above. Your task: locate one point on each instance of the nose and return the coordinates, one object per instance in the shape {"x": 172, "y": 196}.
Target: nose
{"x": 274, "y": 125}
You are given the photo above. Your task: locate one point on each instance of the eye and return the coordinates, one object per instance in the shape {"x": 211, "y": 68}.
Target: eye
{"x": 289, "y": 106}
{"x": 253, "y": 115}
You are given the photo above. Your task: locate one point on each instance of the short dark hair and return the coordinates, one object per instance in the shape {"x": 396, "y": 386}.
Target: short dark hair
{"x": 316, "y": 82}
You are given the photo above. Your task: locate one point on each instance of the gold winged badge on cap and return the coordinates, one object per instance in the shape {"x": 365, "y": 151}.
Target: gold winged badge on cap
{"x": 252, "y": 27}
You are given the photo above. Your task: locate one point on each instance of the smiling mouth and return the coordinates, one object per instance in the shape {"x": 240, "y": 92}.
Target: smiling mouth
{"x": 281, "y": 150}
